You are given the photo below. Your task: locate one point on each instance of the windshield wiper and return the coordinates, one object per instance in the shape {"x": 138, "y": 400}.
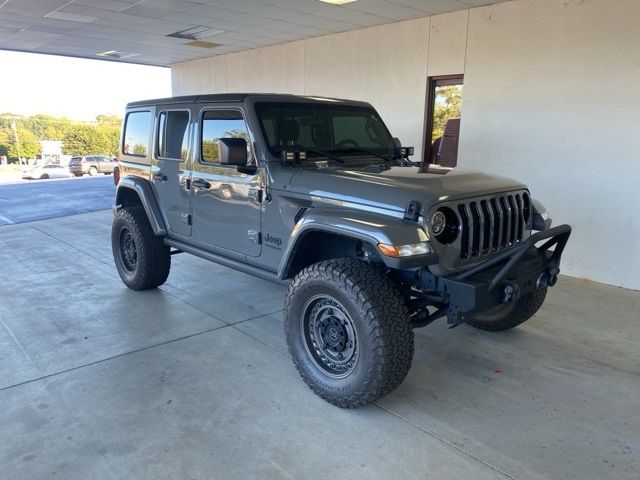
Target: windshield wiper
{"x": 388, "y": 158}
{"x": 363, "y": 150}
{"x": 325, "y": 154}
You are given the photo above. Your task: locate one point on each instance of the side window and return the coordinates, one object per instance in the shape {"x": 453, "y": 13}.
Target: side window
{"x": 217, "y": 124}
{"x": 136, "y": 133}
{"x": 173, "y": 138}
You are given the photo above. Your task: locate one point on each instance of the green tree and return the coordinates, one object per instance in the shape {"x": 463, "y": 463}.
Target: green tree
{"x": 4, "y": 142}
{"x": 109, "y": 119}
{"x": 107, "y": 138}
{"x": 78, "y": 140}
{"x": 85, "y": 139}
{"x": 210, "y": 151}
{"x": 447, "y": 105}
{"x": 29, "y": 144}
{"x": 46, "y": 127}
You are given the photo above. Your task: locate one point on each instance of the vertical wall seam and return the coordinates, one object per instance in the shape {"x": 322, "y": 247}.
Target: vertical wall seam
{"x": 428, "y": 46}
{"x": 304, "y": 67}
{"x": 466, "y": 44}
{"x": 226, "y": 58}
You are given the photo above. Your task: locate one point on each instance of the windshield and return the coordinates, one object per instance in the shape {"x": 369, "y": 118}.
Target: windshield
{"x": 323, "y": 127}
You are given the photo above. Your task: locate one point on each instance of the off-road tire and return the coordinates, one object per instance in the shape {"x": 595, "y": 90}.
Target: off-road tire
{"x": 93, "y": 171}
{"x": 153, "y": 261}
{"x": 512, "y": 315}
{"x": 380, "y": 321}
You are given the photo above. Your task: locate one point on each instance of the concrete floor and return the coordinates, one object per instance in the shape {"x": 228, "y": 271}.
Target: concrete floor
{"x": 29, "y": 200}
{"x": 193, "y": 381}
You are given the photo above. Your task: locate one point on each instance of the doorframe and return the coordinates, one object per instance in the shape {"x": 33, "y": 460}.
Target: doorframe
{"x": 433, "y": 82}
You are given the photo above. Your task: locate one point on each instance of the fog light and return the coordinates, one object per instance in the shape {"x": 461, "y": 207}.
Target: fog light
{"x": 404, "y": 250}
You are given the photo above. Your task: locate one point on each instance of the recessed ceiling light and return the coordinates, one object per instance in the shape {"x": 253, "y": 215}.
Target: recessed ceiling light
{"x": 116, "y": 54}
{"x": 195, "y": 33}
{"x": 337, "y": 2}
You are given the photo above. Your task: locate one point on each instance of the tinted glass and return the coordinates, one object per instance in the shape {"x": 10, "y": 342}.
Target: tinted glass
{"x": 322, "y": 126}
{"x": 217, "y": 124}
{"x": 136, "y": 133}
{"x": 445, "y": 108}
{"x": 173, "y": 139}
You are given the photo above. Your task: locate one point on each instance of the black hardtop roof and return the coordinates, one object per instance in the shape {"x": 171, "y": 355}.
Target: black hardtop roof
{"x": 240, "y": 97}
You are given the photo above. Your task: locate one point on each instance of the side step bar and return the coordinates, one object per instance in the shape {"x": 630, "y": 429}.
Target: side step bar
{"x": 226, "y": 262}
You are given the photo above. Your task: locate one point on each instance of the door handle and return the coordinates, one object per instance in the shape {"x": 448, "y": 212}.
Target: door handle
{"x": 200, "y": 183}
{"x": 255, "y": 195}
{"x": 160, "y": 177}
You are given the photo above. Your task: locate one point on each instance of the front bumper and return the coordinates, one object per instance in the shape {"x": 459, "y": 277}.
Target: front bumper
{"x": 501, "y": 279}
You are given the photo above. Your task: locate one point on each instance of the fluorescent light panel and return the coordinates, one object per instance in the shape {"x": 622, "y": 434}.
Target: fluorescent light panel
{"x": 336, "y": 2}
{"x": 195, "y": 33}
{"x": 116, "y": 54}
{"x": 71, "y": 17}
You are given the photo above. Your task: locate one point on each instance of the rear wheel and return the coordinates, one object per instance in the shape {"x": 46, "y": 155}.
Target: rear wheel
{"x": 509, "y": 316}
{"x": 93, "y": 171}
{"x": 142, "y": 259}
{"x": 44, "y": 176}
{"x": 348, "y": 331}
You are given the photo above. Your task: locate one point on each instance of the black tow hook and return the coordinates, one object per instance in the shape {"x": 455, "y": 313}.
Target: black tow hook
{"x": 547, "y": 279}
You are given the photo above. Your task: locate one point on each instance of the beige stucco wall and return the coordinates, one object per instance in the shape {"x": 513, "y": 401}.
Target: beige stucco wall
{"x": 550, "y": 98}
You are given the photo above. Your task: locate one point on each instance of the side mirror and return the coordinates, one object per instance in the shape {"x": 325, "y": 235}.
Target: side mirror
{"x": 233, "y": 151}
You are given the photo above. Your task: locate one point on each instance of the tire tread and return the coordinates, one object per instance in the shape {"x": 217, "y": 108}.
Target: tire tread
{"x": 385, "y": 316}
{"x": 154, "y": 260}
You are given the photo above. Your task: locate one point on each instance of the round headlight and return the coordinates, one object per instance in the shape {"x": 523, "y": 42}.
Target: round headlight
{"x": 438, "y": 223}
{"x": 445, "y": 225}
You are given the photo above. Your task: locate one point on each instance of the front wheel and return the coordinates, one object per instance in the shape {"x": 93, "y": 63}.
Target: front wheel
{"x": 348, "y": 331}
{"x": 505, "y": 317}
{"x": 142, "y": 259}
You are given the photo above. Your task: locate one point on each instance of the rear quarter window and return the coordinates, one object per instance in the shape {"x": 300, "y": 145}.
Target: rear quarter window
{"x": 137, "y": 127}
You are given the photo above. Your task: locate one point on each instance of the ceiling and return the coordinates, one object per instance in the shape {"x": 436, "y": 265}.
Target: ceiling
{"x": 137, "y": 30}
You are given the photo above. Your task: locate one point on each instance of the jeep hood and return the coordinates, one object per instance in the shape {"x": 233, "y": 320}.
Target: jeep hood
{"x": 392, "y": 189}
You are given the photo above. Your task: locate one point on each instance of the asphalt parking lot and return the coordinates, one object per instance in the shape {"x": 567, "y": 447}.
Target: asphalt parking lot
{"x": 29, "y": 200}
{"x": 193, "y": 380}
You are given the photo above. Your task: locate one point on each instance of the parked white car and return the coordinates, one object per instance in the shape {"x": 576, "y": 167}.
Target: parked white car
{"x": 46, "y": 171}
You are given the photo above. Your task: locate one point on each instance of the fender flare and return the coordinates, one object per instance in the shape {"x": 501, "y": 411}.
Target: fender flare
{"x": 144, "y": 190}
{"x": 368, "y": 227}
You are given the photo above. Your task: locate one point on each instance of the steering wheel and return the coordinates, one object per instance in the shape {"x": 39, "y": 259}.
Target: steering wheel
{"x": 346, "y": 143}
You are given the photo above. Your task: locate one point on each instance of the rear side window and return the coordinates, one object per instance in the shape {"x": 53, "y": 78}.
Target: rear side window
{"x": 217, "y": 124}
{"x": 173, "y": 138}
{"x": 136, "y": 133}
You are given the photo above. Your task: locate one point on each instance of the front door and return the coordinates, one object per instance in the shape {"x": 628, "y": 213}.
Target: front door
{"x": 226, "y": 202}
{"x": 170, "y": 169}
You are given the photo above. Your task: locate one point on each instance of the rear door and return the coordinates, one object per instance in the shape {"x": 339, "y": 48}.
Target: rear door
{"x": 171, "y": 165}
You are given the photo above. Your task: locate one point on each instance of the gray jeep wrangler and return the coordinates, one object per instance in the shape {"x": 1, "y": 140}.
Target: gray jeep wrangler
{"x": 316, "y": 194}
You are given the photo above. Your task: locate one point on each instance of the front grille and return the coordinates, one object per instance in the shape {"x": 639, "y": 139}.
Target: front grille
{"x": 492, "y": 224}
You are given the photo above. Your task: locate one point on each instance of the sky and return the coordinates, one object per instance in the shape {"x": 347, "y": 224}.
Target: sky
{"x": 76, "y": 88}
